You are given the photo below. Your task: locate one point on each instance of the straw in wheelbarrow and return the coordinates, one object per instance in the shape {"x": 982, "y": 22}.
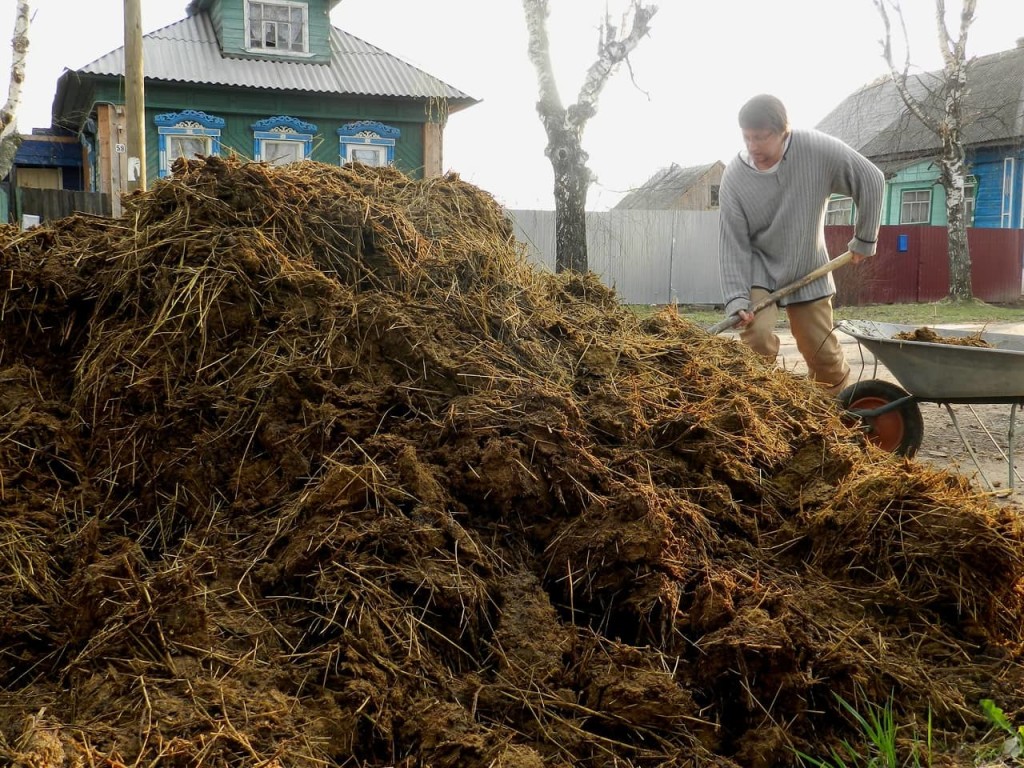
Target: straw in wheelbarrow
{"x": 786, "y": 290}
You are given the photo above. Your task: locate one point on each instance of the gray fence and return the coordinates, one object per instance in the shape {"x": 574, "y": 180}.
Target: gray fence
{"x": 50, "y": 204}
{"x": 648, "y": 257}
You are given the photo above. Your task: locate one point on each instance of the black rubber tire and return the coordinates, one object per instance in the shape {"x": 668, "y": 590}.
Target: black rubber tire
{"x": 899, "y": 431}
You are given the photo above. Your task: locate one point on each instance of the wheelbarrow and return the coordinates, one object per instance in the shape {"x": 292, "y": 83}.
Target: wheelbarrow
{"x": 932, "y": 372}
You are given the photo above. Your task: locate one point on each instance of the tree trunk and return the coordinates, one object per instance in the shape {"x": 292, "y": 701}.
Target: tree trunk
{"x": 9, "y": 112}
{"x": 572, "y": 179}
{"x": 953, "y": 175}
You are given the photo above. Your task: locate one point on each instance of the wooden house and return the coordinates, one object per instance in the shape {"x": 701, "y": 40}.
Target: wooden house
{"x": 269, "y": 80}
{"x": 679, "y": 189}
{"x": 875, "y": 121}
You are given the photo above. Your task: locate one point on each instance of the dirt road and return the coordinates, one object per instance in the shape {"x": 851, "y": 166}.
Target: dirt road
{"x": 985, "y": 426}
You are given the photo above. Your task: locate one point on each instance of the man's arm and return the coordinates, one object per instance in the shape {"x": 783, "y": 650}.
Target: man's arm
{"x": 734, "y": 251}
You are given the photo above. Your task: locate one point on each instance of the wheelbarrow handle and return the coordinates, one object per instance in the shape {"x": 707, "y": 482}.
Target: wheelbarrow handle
{"x": 785, "y": 290}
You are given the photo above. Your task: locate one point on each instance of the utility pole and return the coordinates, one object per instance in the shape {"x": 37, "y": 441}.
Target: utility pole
{"x": 135, "y": 96}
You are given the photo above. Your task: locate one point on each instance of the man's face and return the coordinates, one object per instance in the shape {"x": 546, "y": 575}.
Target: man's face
{"x": 764, "y": 145}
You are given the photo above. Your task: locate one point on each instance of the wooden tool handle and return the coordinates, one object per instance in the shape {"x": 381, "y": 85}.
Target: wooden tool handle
{"x": 785, "y": 290}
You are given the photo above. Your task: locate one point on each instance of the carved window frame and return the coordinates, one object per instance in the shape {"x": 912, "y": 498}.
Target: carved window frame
{"x": 282, "y": 128}
{"x": 188, "y": 122}
{"x": 367, "y": 134}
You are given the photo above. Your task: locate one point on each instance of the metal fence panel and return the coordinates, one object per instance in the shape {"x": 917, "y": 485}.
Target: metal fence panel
{"x": 660, "y": 257}
{"x": 648, "y": 257}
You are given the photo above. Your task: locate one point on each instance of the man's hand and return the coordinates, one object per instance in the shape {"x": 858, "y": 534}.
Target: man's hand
{"x": 857, "y": 258}
{"x": 746, "y": 318}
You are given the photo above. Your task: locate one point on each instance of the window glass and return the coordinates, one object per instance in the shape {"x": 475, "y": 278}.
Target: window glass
{"x": 278, "y": 26}
{"x": 970, "y": 193}
{"x": 283, "y": 152}
{"x": 366, "y": 155}
{"x": 187, "y": 146}
{"x": 916, "y": 206}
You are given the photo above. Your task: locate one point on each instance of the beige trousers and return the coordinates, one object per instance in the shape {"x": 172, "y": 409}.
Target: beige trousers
{"x": 811, "y": 325}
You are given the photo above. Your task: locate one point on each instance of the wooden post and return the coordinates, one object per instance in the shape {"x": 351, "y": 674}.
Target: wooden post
{"x": 135, "y": 96}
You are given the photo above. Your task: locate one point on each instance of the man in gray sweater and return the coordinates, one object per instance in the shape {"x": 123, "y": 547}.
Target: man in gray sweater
{"x": 773, "y": 199}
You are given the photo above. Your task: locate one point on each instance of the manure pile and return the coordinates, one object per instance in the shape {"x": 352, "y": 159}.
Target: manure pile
{"x": 306, "y": 466}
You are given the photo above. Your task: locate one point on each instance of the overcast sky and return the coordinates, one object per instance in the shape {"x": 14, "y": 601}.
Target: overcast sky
{"x": 703, "y": 59}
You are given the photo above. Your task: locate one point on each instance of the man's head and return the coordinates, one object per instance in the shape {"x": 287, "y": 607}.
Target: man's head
{"x": 765, "y": 124}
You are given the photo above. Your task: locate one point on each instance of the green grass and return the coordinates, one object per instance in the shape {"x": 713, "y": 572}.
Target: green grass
{"x": 879, "y": 747}
{"x": 935, "y": 313}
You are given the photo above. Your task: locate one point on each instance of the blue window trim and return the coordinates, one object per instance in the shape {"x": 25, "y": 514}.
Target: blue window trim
{"x": 367, "y": 132}
{"x": 282, "y": 128}
{"x": 188, "y": 122}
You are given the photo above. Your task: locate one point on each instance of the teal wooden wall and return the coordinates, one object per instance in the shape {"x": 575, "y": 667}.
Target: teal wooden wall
{"x": 240, "y": 109}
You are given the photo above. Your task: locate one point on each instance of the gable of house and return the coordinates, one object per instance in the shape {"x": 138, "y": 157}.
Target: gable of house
{"x": 677, "y": 188}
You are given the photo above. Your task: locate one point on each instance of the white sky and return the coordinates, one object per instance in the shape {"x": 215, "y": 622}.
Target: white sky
{"x": 702, "y": 60}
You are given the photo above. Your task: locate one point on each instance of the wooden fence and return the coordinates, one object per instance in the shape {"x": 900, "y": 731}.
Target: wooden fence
{"x": 50, "y": 204}
{"x": 660, "y": 257}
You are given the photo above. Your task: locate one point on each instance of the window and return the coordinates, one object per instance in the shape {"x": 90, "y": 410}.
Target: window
{"x": 916, "y": 206}
{"x": 278, "y": 26}
{"x": 281, "y": 140}
{"x": 714, "y": 195}
{"x": 1006, "y": 217}
{"x": 189, "y": 133}
{"x": 839, "y": 211}
{"x": 970, "y": 194}
{"x": 367, "y": 142}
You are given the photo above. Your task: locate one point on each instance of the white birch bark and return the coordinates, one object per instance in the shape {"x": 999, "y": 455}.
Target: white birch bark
{"x": 9, "y": 113}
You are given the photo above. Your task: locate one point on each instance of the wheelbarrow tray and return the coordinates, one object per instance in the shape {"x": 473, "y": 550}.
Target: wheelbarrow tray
{"x": 946, "y": 373}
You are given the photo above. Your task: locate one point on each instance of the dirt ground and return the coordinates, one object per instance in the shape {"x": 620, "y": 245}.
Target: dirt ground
{"x": 985, "y": 426}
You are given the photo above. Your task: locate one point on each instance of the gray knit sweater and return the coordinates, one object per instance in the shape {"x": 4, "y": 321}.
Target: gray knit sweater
{"x": 772, "y": 223}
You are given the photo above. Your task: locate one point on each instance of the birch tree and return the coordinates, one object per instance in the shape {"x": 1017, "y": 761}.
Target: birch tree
{"x": 947, "y": 124}
{"x": 8, "y": 115}
{"x": 564, "y": 125}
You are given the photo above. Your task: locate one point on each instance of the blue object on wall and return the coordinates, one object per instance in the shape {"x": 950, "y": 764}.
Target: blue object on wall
{"x": 902, "y": 243}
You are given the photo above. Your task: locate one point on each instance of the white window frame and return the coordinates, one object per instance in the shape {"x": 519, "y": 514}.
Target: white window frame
{"x": 367, "y": 136}
{"x": 927, "y": 202}
{"x": 279, "y": 129}
{"x": 275, "y": 50}
{"x": 1006, "y": 211}
{"x": 970, "y": 200}
{"x": 189, "y": 123}
{"x": 840, "y": 207}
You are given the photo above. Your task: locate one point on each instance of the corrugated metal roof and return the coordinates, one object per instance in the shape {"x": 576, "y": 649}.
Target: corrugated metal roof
{"x": 188, "y": 52}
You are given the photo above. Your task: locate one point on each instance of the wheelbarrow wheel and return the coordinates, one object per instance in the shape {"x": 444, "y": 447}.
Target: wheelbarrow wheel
{"x": 899, "y": 429}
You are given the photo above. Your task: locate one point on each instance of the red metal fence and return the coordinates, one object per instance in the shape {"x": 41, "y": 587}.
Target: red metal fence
{"x": 920, "y": 273}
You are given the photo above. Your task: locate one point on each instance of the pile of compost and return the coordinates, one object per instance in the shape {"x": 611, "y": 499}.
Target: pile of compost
{"x": 932, "y": 336}
{"x": 307, "y": 466}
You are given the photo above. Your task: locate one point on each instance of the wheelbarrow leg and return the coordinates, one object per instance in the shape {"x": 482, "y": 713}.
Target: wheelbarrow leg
{"x": 969, "y": 447}
{"x": 1009, "y": 444}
